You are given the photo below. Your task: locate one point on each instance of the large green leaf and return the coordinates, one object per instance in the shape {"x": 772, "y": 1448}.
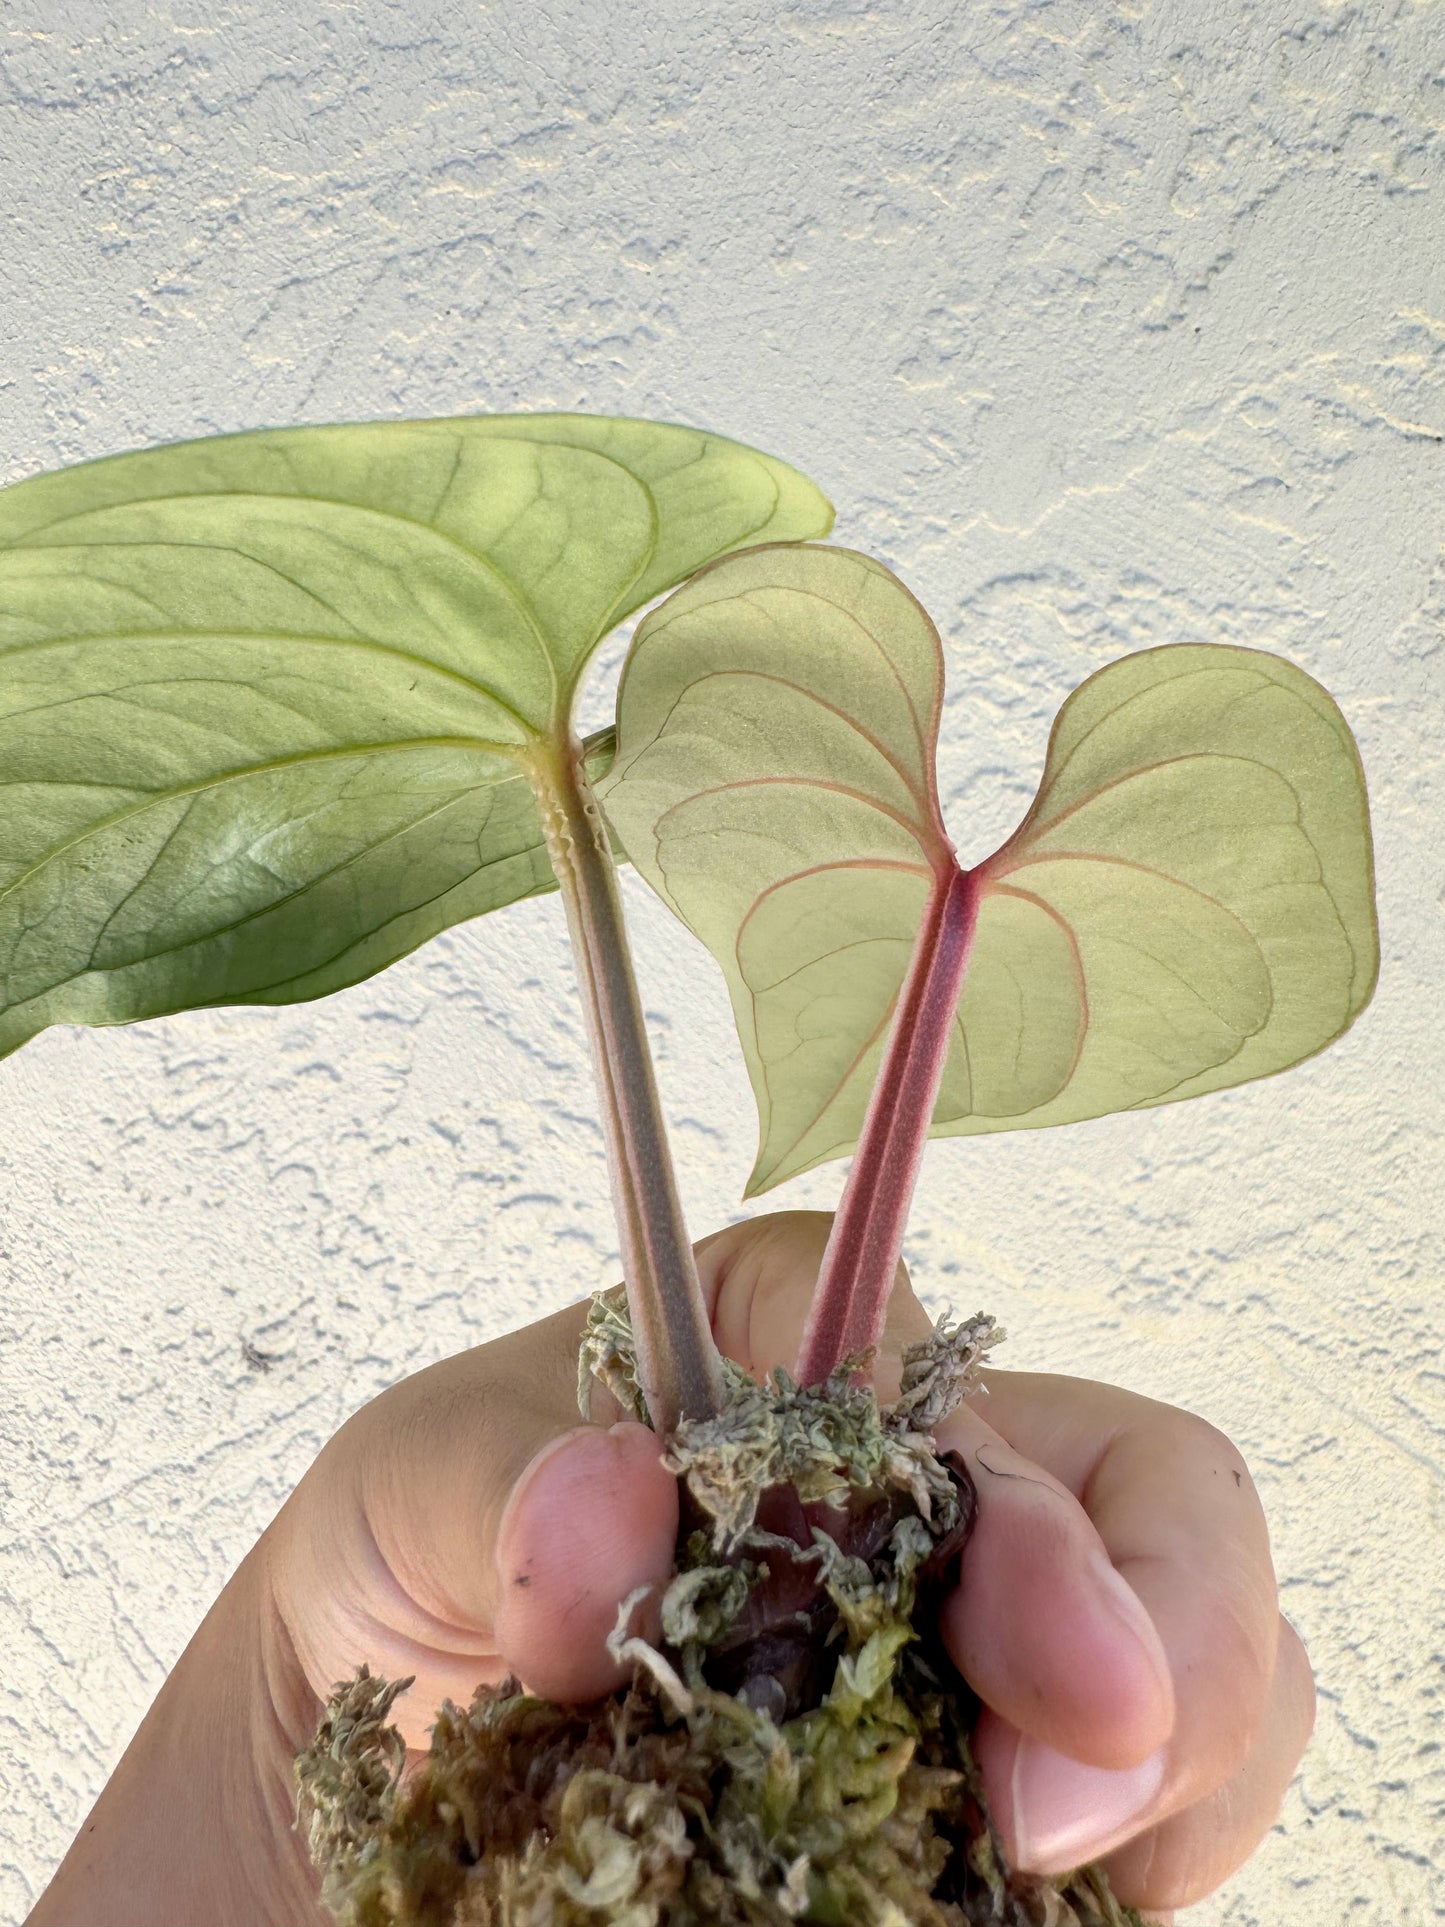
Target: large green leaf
{"x": 1188, "y": 904}
{"x": 267, "y": 701}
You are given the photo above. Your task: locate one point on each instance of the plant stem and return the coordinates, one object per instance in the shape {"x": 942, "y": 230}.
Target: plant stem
{"x": 861, "y": 1259}
{"x": 678, "y": 1364}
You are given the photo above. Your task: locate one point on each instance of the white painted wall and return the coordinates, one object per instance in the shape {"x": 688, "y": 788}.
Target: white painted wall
{"x": 1105, "y": 325}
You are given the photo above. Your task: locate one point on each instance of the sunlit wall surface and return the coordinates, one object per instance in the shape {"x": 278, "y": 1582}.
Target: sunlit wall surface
{"x": 1105, "y": 325}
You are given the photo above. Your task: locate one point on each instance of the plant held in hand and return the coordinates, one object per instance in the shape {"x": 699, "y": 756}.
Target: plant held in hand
{"x": 276, "y": 708}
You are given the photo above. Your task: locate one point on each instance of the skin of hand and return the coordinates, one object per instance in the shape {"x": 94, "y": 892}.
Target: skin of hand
{"x": 1145, "y": 1703}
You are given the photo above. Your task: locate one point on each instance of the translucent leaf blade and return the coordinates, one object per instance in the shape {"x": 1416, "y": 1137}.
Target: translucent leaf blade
{"x": 502, "y": 546}
{"x": 776, "y": 725}
{"x": 1232, "y": 774}
{"x": 278, "y": 892}
{"x": 265, "y": 699}
{"x": 1188, "y": 905}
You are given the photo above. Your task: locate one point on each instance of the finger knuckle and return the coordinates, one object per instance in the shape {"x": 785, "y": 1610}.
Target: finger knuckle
{"x": 1215, "y": 1450}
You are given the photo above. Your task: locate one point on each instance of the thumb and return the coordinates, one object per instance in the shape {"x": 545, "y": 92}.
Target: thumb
{"x": 463, "y": 1525}
{"x": 592, "y": 1518}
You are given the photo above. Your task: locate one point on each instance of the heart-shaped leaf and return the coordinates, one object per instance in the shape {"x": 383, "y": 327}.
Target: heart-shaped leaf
{"x": 268, "y": 701}
{"x": 1188, "y": 904}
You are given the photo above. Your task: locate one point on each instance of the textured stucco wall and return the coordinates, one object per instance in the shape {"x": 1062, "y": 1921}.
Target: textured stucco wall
{"x": 1105, "y": 325}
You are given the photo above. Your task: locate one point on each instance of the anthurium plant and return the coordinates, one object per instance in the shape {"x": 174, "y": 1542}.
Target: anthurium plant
{"x": 276, "y": 708}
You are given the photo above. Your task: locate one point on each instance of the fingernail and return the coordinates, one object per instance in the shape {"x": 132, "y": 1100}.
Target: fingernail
{"x": 1133, "y": 1614}
{"x": 529, "y": 1474}
{"x": 616, "y": 1445}
{"x": 1066, "y": 1813}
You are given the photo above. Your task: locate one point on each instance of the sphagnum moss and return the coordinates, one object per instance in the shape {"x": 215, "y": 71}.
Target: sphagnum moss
{"x": 795, "y": 1749}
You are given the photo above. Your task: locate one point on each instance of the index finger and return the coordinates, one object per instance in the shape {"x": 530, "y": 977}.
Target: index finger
{"x": 1179, "y": 1517}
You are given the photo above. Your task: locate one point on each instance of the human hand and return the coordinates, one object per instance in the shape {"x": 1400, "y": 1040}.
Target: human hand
{"x": 1144, "y": 1700}
{"x": 1117, "y": 1613}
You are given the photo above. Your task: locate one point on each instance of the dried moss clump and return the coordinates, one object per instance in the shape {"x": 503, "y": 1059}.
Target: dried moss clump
{"x": 790, "y": 1751}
